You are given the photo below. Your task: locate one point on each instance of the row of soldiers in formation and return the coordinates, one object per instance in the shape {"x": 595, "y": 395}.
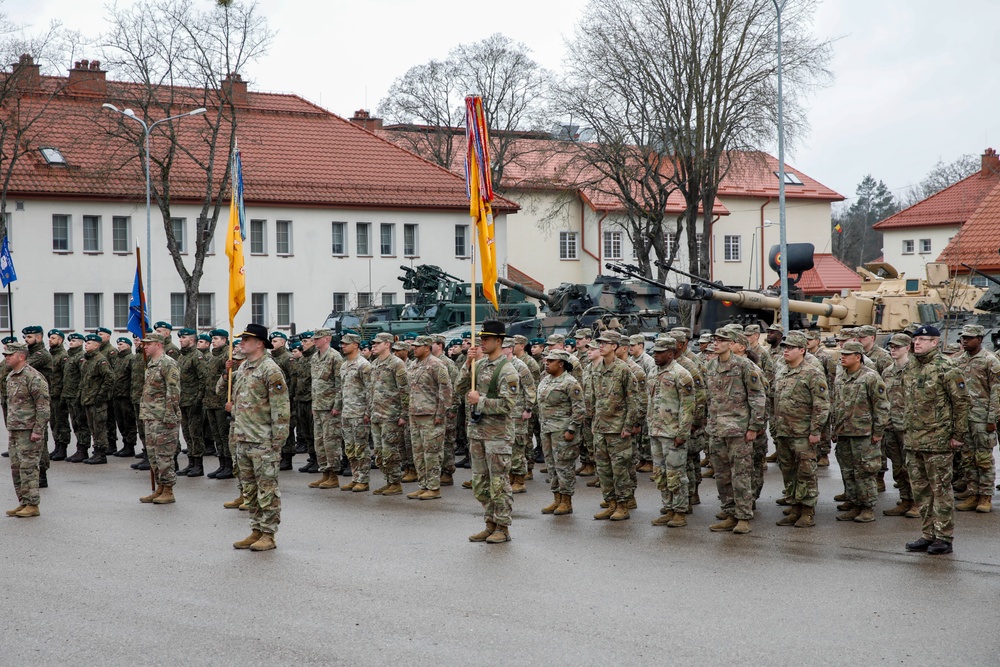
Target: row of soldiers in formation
{"x": 671, "y": 405}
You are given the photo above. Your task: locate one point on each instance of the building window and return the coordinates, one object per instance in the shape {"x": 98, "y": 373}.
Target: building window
{"x": 925, "y": 246}
{"x": 908, "y": 247}
{"x": 364, "y": 299}
{"x": 410, "y": 297}
{"x": 410, "y": 248}
{"x": 258, "y": 237}
{"x": 698, "y": 238}
{"x": 92, "y": 233}
{"x": 4, "y": 312}
{"x": 388, "y": 298}
{"x": 975, "y": 280}
{"x": 92, "y": 307}
{"x": 258, "y": 308}
{"x": 62, "y": 315}
{"x": 790, "y": 178}
{"x": 567, "y": 245}
{"x": 121, "y": 228}
{"x": 179, "y": 226}
{"x": 339, "y": 302}
{"x": 364, "y": 239}
{"x": 206, "y": 310}
{"x": 203, "y": 233}
{"x": 61, "y": 237}
{"x": 461, "y": 240}
{"x": 669, "y": 243}
{"x": 283, "y": 237}
{"x": 387, "y": 239}
{"x": 178, "y": 304}
{"x": 731, "y": 248}
{"x": 120, "y": 307}
{"x": 613, "y": 245}
{"x": 284, "y": 309}
{"x": 340, "y": 238}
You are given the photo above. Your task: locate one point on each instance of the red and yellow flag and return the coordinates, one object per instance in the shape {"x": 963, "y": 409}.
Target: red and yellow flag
{"x": 480, "y": 186}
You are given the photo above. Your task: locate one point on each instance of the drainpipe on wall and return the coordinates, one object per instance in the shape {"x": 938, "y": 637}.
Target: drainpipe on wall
{"x": 583, "y": 237}
{"x": 711, "y": 248}
{"x": 762, "y": 207}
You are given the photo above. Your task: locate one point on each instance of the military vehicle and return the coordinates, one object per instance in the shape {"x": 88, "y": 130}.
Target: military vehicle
{"x": 359, "y": 319}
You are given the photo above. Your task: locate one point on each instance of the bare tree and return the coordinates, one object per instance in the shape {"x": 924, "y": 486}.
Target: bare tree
{"x": 857, "y": 242}
{"x": 176, "y": 59}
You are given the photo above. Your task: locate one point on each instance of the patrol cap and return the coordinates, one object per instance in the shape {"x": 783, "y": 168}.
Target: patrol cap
{"x": 751, "y": 329}
{"x": 427, "y": 340}
{"x": 123, "y": 339}
{"x": 678, "y": 336}
{"x": 507, "y": 342}
{"x": 563, "y": 356}
{"x": 705, "y": 338}
{"x": 93, "y": 337}
{"x": 665, "y": 344}
{"x": 205, "y": 337}
{"x": 777, "y": 327}
{"x": 794, "y": 339}
{"x": 852, "y": 347}
{"x": 187, "y": 332}
{"x": 219, "y": 332}
{"x": 685, "y": 330}
{"x": 35, "y": 329}
{"x": 952, "y": 348}
{"x": 163, "y": 325}
{"x": 735, "y": 326}
{"x": 519, "y": 339}
{"x": 610, "y": 337}
{"x": 741, "y": 339}
{"x": 99, "y": 330}
{"x": 319, "y": 333}
{"x": 555, "y": 339}
{"x": 153, "y": 338}
{"x": 594, "y": 344}
{"x": 724, "y": 334}
{"x": 306, "y": 335}
{"x": 927, "y": 330}
{"x": 972, "y": 331}
{"x": 584, "y": 333}
{"x": 865, "y": 331}
{"x": 844, "y": 334}
{"x": 350, "y": 339}
{"x": 15, "y": 347}
{"x": 384, "y": 338}
{"x": 57, "y": 332}
{"x": 402, "y": 345}
{"x": 900, "y": 340}
{"x": 277, "y": 334}
{"x": 441, "y": 340}
{"x": 636, "y": 339}
{"x": 811, "y": 334}
{"x": 72, "y": 336}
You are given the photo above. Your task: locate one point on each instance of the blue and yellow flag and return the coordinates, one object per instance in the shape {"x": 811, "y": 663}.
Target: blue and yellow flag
{"x": 7, "y": 273}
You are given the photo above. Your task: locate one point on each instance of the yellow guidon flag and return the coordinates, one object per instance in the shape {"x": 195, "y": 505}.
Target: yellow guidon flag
{"x": 480, "y": 185}
{"x": 235, "y": 237}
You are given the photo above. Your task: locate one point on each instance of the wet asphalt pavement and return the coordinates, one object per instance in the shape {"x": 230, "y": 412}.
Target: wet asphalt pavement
{"x": 100, "y": 579}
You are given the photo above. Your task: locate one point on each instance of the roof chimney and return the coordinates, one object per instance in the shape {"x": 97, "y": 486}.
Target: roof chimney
{"x": 235, "y": 89}
{"x": 26, "y": 73}
{"x": 991, "y": 164}
{"x": 363, "y": 118}
{"x": 87, "y": 78}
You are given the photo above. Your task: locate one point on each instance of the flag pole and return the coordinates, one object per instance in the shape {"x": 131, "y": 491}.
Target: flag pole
{"x": 144, "y": 326}
{"x": 10, "y": 309}
{"x": 472, "y": 311}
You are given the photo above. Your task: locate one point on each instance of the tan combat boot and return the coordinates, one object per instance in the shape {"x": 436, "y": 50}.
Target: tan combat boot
{"x": 792, "y": 516}
{"x": 447, "y": 479}
{"x": 985, "y": 504}
{"x": 900, "y": 509}
{"x": 247, "y": 541}
{"x": 913, "y": 512}
{"x": 529, "y": 476}
{"x": 394, "y": 490}
{"x": 772, "y": 457}
{"x": 409, "y": 475}
{"x": 964, "y": 495}
{"x": 724, "y": 526}
{"x": 586, "y": 470}
{"x": 969, "y": 504}
{"x": 415, "y": 494}
{"x": 360, "y": 487}
{"x": 316, "y": 482}
{"x": 606, "y": 514}
{"x": 233, "y": 504}
{"x": 517, "y": 484}
{"x": 840, "y": 497}
{"x": 153, "y": 496}
{"x": 565, "y": 506}
{"x": 807, "y": 519}
{"x": 865, "y": 515}
{"x": 556, "y": 499}
{"x": 709, "y": 473}
{"x": 348, "y": 487}
{"x": 679, "y": 521}
{"x": 631, "y": 504}
{"x": 880, "y": 484}
{"x": 742, "y": 527}
{"x": 331, "y": 482}
{"x": 849, "y": 515}
{"x": 28, "y": 511}
{"x": 467, "y": 484}
{"x": 845, "y": 506}
{"x": 663, "y": 519}
{"x": 783, "y": 501}
{"x": 499, "y": 536}
{"x": 694, "y": 498}
{"x": 380, "y": 490}
{"x": 165, "y": 498}
{"x": 721, "y": 514}
{"x": 594, "y": 483}
{"x": 265, "y": 543}
{"x": 483, "y": 534}
{"x": 15, "y": 510}
{"x": 621, "y": 512}
{"x": 824, "y": 461}
{"x": 430, "y": 494}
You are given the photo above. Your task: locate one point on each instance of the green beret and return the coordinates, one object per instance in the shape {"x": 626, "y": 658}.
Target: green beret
{"x": 410, "y": 335}
{"x": 219, "y": 332}
{"x": 205, "y": 337}
{"x": 35, "y": 329}
{"x": 454, "y": 341}
{"x": 277, "y": 334}
{"x": 306, "y": 335}
{"x": 93, "y": 338}
{"x": 295, "y": 345}
{"x": 7, "y": 340}
{"x": 571, "y": 341}
{"x": 187, "y": 332}
{"x": 57, "y": 332}
{"x": 127, "y": 341}
{"x": 366, "y": 345}
{"x": 537, "y": 341}
{"x": 163, "y": 325}
{"x": 72, "y": 336}
{"x": 99, "y": 330}
{"x": 466, "y": 334}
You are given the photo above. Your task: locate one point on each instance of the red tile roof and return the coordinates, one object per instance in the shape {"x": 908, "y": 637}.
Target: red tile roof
{"x": 754, "y": 174}
{"x": 294, "y": 153}
{"x": 978, "y": 242}
{"x": 519, "y": 276}
{"x": 951, "y": 206}
{"x": 828, "y": 276}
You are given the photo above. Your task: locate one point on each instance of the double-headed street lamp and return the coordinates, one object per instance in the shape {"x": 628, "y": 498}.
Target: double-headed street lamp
{"x": 779, "y": 6}
{"x": 128, "y": 113}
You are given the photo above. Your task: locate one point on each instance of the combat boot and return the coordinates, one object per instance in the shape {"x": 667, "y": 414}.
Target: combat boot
{"x": 606, "y": 514}
{"x": 43, "y": 478}
{"x": 99, "y": 458}
{"x": 331, "y": 482}
{"x": 631, "y": 504}
{"x": 15, "y": 510}
{"x": 586, "y": 470}
{"x": 772, "y": 457}
{"x": 900, "y": 509}
{"x": 447, "y": 479}
{"x": 393, "y": 490}
{"x": 312, "y": 460}
{"x": 430, "y": 494}
{"x": 233, "y": 504}
{"x": 379, "y": 490}
{"x": 409, "y": 476}
{"x": 144, "y": 457}
{"x": 197, "y": 469}
{"x": 913, "y": 512}
{"x": 664, "y": 518}
{"x": 840, "y": 497}
{"x": 517, "y": 484}
{"x": 529, "y": 476}
{"x": 464, "y": 463}
{"x": 215, "y": 473}
{"x": 807, "y": 519}
{"x": 849, "y": 515}
{"x": 694, "y": 498}
{"x": 227, "y": 471}
{"x": 565, "y": 506}
{"x": 415, "y": 494}
{"x": 594, "y": 483}
{"x": 792, "y": 517}
{"x": 985, "y": 504}
{"x": 621, "y": 512}
{"x": 824, "y": 461}
{"x": 153, "y": 496}
{"x": 783, "y": 501}
{"x": 937, "y": 548}
{"x": 125, "y": 451}
{"x": 348, "y": 487}
{"x": 963, "y": 495}
{"x": 143, "y": 465}
{"x": 969, "y": 504}
{"x": 721, "y": 514}
{"x": 322, "y": 480}
{"x": 845, "y": 507}
{"x": 467, "y": 484}
{"x": 645, "y": 466}
{"x": 556, "y": 499}
{"x": 724, "y": 526}
{"x": 80, "y": 456}
{"x": 59, "y": 454}
{"x": 28, "y": 511}
{"x": 880, "y": 484}
{"x": 742, "y": 527}
{"x": 483, "y": 534}
{"x": 186, "y": 469}
{"x": 499, "y": 536}
{"x": 286, "y": 462}
{"x": 359, "y": 487}
{"x": 247, "y": 541}
{"x": 165, "y": 498}
{"x": 265, "y": 543}
{"x": 678, "y": 520}
{"x": 709, "y": 473}
{"x": 865, "y": 515}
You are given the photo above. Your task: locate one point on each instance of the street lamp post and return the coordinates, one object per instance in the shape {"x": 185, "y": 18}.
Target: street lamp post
{"x": 128, "y": 113}
{"x": 778, "y": 7}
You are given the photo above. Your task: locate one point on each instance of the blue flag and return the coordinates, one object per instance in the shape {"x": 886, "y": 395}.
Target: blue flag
{"x": 7, "y": 273}
{"x": 136, "y": 317}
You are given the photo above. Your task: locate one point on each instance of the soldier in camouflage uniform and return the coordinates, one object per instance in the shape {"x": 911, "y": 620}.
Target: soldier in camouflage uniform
{"x": 121, "y": 396}
{"x": 430, "y": 389}
{"x": 637, "y": 354}
{"x": 261, "y": 412}
{"x": 641, "y": 396}
{"x": 110, "y": 353}
{"x": 562, "y": 412}
{"x": 860, "y": 414}
{"x": 390, "y": 406}
{"x": 937, "y": 418}
{"x": 137, "y": 380}
{"x": 96, "y": 382}
{"x": 40, "y": 359}
{"x": 214, "y": 404}
{"x": 981, "y": 370}
{"x": 355, "y": 392}
{"x": 522, "y": 419}
{"x": 59, "y": 419}
{"x": 490, "y": 406}
{"x": 160, "y": 412}
{"x": 671, "y": 418}
{"x": 302, "y": 401}
{"x": 587, "y": 466}
{"x": 801, "y": 411}
{"x": 610, "y": 390}
{"x": 528, "y": 443}
{"x": 166, "y": 330}
{"x": 451, "y": 415}
{"x": 192, "y": 394}
{"x": 327, "y": 432}
{"x": 283, "y": 357}
{"x": 71, "y": 395}
{"x": 402, "y": 349}
{"x": 895, "y": 432}
{"x": 736, "y": 412}
{"x": 27, "y": 400}
{"x": 698, "y": 441}
{"x": 830, "y": 365}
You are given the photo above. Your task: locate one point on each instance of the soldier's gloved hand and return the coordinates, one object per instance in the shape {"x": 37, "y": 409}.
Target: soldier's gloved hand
{"x": 569, "y": 436}
{"x": 751, "y": 436}
{"x": 813, "y": 439}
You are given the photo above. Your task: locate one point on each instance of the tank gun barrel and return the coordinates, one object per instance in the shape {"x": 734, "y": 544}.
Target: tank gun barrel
{"x": 703, "y": 281}
{"x": 524, "y": 289}
{"x": 984, "y": 275}
{"x": 634, "y": 272}
{"x": 759, "y": 301}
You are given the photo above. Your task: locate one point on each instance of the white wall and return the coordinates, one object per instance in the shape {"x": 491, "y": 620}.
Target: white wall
{"x": 311, "y": 273}
{"x": 913, "y": 263}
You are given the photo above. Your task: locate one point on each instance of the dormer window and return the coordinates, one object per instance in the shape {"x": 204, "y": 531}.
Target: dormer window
{"x": 790, "y": 178}
{"x": 52, "y": 156}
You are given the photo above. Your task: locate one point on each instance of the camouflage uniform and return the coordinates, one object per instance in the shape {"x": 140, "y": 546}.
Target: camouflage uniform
{"x": 671, "y": 417}
{"x": 522, "y": 427}
{"x": 137, "y": 380}
{"x": 982, "y": 381}
{"x": 214, "y": 404}
{"x": 587, "y": 431}
{"x": 28, "y": 412}
{"x": 355, "y": 396}
{"x": 40, "y": 359}
{"x": 736, "y": 404}
{"x": 302, "y": 400}
{"x": 390, "y": 402}
{"x": 59, "y": 419}
{"x": 937, "y": 411}
{"x": 894, "y": 436}
{"x": 192, "y": 393}
{"x": 95, "y": 392}
{"x": 110, "y": 353}
{"x": 830, "y": 366}
{"x": 491, "y": 436}
{"x": 451, "y": 417}
{"x": 327, "y": 431}
{"x": 880, "y": 357}
{"x": 801, "y": 409}
{"x": 860, "y": 410}
{"x": 698, "y": 441}
{"x": 430, "y": 389}
{"x": 121, "y": 399}
{"x": 71, "y": 397}
{"x": 160, "y": 413}
{"x": 260, "y": 426}
{"x": 641, "y": 397}
{"x": 283, "y": 358}
{"x": 610, "y": 390}
{"x": 561, "y": 409}
{"x": 643, "y": 452}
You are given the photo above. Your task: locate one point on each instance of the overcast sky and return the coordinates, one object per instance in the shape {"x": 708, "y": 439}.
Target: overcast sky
{"x": 909, "y": 87}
